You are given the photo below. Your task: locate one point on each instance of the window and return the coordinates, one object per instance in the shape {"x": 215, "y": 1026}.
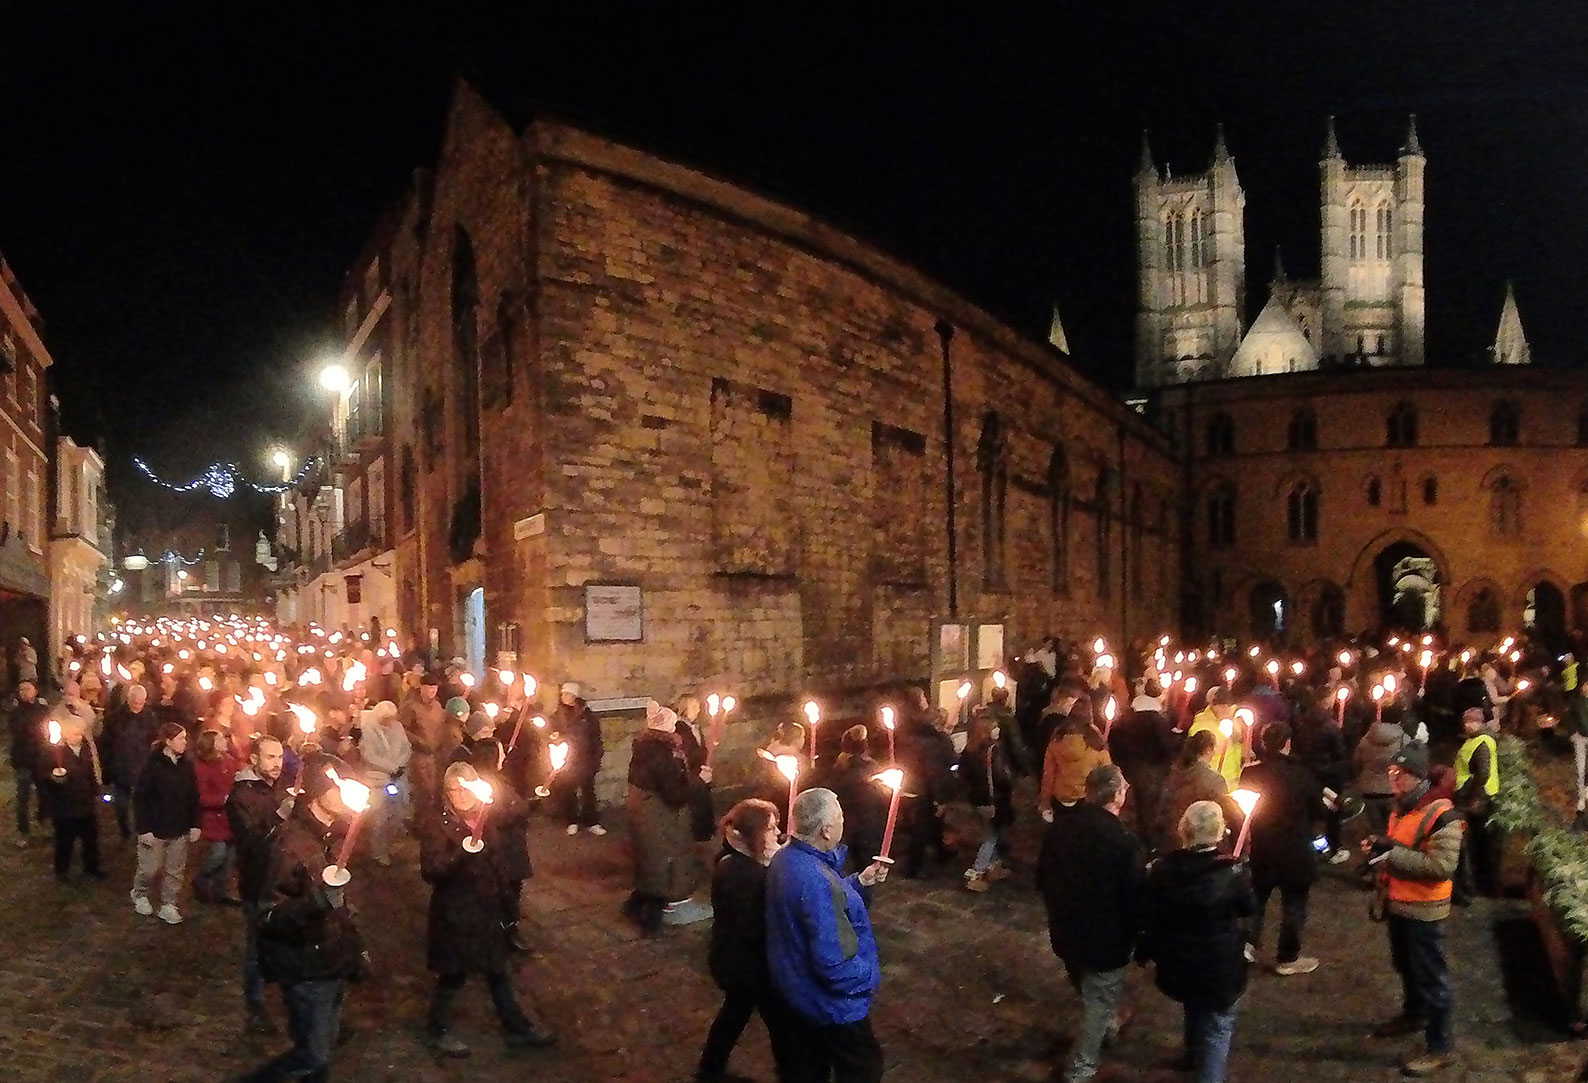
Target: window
{"x": 13, "y": 493}
{"x": 1375, "y": 492}
{"x": 1207, "y": 238}
{"x": 1400, "y": 429}
{"x": 1505, "y": 507}
{"x": 1221, "y": 517}
{"x": 1483, "y": 611}
{"x": 1303, "y": 434}
{"x": 1059, "y": 519}
{"x": 1221, "y": 436}
{"x": 1430, "y": 491}
{"x": 1505, "y": 424}
{"x": 1384, "y": 220}
{"x": 1302, "y": 513}
{"x": 1196, "y": 239}
{"x": 374, "y": 405}
{"x": 35, "y": 512}
{"x": 28, "y": 403}
{"x": 1174, "y": 240}
{"x": 1358, "y": 246}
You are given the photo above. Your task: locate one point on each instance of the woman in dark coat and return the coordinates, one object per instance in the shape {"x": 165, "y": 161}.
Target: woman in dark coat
{"x": 466, "y": 931}
{"x": 989, "y": 785}
{"x": 702, "y": 824}
{"x": 510, "y": 818}
{"x": 1195, "y": 903}
{"x": 865, "y": 802}
{"x": 660, "y": 787}
{"x": 737, "y": 953}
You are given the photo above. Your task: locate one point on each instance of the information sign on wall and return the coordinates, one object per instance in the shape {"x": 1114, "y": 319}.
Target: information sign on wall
{"x": 613, "y": 613}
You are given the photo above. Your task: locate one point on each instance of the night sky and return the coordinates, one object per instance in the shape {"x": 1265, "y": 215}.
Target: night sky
{"x": 182, "y": 190}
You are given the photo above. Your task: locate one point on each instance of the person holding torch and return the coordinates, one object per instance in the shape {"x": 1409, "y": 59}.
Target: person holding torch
{"x": 1281, "y": 833}
{"x": 308, "y": 941}
{"x": 71, "y": 785}
{"x": 463, "y": 858}
{"x": 657, "y": 804}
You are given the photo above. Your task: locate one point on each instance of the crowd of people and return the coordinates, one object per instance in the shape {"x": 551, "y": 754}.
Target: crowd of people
{"x": 1190, "y": 785}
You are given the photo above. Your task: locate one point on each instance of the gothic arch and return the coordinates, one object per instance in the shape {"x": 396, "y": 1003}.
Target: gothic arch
{"x": 1462, "y": 616}
{"x": 1504, "y": 470}
{"x": 1289, "y": 481}
{"x": 1516, "y": 599}
{"x": 1361, "y": 584}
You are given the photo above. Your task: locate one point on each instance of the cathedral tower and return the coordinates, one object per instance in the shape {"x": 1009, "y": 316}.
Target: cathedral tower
{"x": 1191, "y": 269}
{"x": 1372, "y": 255}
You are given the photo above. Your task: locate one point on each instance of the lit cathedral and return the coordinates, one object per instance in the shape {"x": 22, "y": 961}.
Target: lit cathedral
{"x": 1364, "y": 310}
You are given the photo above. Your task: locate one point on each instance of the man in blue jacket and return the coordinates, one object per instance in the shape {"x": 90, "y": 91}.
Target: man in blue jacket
{"x": 820, "y": 947}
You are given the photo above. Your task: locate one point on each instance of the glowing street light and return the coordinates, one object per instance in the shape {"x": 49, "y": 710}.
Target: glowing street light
{"x": 333, "y": 378}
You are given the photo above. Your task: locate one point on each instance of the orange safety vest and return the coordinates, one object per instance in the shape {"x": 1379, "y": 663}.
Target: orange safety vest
{"x": 1413, "y": 830}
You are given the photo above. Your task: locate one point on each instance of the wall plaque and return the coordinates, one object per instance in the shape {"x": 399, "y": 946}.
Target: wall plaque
{"x": 614, "y": 613}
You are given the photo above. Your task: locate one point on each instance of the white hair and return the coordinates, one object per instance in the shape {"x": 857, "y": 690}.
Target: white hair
{"x": 1202, "y": 824}
{"x": 813, "y": 810}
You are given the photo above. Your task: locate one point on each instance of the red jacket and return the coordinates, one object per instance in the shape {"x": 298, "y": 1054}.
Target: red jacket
{"x": 215, "y": 778}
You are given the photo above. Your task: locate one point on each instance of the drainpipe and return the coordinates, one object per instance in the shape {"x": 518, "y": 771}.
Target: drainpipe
{"x": 945, "y": 332}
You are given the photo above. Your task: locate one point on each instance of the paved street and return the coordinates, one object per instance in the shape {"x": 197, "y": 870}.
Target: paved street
{"x": 93, "y": 993}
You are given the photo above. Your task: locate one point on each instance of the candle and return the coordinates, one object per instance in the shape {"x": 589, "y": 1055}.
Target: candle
{"x": 725, "y": 704}
{"x": 507, "y": 677}
{"x": 55, "y": 749}
{"x": 558, "y": 751}
{"x": 355, "y": 795}
{"x": 999, "y": 680}
{"x": 813, "y": 715}
{"x": 963, "y": 692}
{"x": 1341, "y": 694}
{"x": 893, "y": 778}
{"x": 1247, "y": 800}
{"x": 1227, "y": 730}
{"x": 1185, "y": 702}
{"x": 1378, "y": 703}
{"x": 888, "y": 716}
{"x": 474, "y": 842}
{"x": 1345, "y": 659}
{"x": 1110, "y": 709}
{"x": 789, "y": 767}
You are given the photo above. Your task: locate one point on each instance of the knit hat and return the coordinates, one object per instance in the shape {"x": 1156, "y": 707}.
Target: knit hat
{"x": 1473, "y": 714}
{"x": 571, "y": 688}
{"x": 458, "y": 707}
{"x": 1413, "y": 759}
{"x": 316, "y": 774}
{"x": 479, "y": 725}
{"x": 384, "y": 711}
{"x": 658, "y": 717}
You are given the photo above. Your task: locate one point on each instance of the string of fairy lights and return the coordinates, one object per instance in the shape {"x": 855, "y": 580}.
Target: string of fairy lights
{"x": 222, "y": 480}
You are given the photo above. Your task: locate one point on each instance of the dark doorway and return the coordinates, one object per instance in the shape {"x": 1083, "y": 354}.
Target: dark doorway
{"x": 1544, "y": 614}
{"x": 1328, "y": 612}
{"x": 1408, "y": 588}
{"x": 1269, "y": 612}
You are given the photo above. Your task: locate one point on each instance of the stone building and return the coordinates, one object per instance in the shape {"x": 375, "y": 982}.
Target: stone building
{"x": 1321, "y": 502}
{"x": 1366, "y": 307}
{"x": 79, "y": 543}
{"x": 24, "y": 437}
{"x": 665, "y": 431}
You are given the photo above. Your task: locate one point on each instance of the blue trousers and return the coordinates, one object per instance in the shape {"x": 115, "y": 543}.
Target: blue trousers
{"x": 314, "y": 1011}
{"x": 1207, "y": 1041}
{"x": 1417, "y": 948}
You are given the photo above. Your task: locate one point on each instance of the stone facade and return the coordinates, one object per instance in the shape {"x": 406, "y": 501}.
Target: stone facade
{"x": 634, "y": 375}
{"x": 1298, "y": 485}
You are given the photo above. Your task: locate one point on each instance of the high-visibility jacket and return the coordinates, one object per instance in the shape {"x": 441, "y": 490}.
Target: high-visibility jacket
{"x": 1230, "y": 757}
{"x": 1413, "y": 830}
{"x": 1464, "y": 763}
{"x": 1568, "y": 675}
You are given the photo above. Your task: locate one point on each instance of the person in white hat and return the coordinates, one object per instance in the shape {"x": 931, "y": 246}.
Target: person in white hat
{"x": 385, "y": 750}
{"x": 574, "y": 785}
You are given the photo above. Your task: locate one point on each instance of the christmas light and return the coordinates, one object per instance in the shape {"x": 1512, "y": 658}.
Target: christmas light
{"x": 222, "y": 480}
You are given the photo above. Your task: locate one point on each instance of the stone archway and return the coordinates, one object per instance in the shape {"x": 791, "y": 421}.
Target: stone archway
{"x": 1544, "y": 611}
{"x": 1398, "y": 578}
{"x": 1268, "y": 608}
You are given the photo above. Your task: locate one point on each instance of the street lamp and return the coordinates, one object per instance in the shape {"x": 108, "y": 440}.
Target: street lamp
{"x": 283, "y": 461}
{"x": 333, "y": 378}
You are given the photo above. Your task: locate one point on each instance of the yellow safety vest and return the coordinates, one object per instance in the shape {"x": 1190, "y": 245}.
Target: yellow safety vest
{"x": 1464, "y": 763}
{"x": 1569, "y": 676}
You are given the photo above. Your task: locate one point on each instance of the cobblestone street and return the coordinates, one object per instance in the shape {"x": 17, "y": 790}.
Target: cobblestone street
{"x": 93, "y": 993}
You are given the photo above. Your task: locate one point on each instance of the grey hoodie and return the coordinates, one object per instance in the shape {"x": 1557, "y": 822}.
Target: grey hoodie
{"x": 1373, "y": 755}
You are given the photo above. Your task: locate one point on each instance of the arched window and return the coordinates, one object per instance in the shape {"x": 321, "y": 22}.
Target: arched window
{"x": 1174, "y": 242}
{"x": 1375, "y": 492}
{"x": 993, "y": 465}
{"x": 1059, "y": 519}
{"x": 1303, "y": 432}
{"x": 1400, "y": 429}
{"x": 1505, "y": 507}
{"x": 1301, "y": 519}
{"x": 1384, "y": 220}
{"x": 1505, "y": 424}
{"x": 1430, "y": 491}
{"x": 1358, "y": 231}
{"x": 1221, "y": 516}
{"x": 1207, "y": 238}
{"x": 1483, "y": 612}
{"x": 1221, "y": 436}
{"x": 1196, "y": 239}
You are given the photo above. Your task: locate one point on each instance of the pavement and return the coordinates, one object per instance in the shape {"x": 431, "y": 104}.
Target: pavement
{"x": 90, "y": 992}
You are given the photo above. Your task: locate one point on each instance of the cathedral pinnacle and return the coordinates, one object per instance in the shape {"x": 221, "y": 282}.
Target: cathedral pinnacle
{"x": 1331, "y": 144}
{"x": 1147, "y": 167}
{"x": 1412, "y": 145}
{"x": 1279, "y": 267}
{"x": 1221, "y": 153}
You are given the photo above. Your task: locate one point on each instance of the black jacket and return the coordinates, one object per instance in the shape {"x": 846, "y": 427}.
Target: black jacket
{"x": 467, "y": 926}
{"x": 28, "y": 735}
{"x": 165, "y": 803}
{"x": 988, "y": 782}
{"x": 76, "y": 795}
{"x": 1320, "y": 744}
{"x": 657, "y": 766}
{"x": 865, "y": 804}
{"x": 927, "y": 756}
{"x": 128, "y": 736}
{"x": 737, "y": 952}
{"x": 582, "y": 730}
{"x": 1090, "y": 875}
{"x": 1193, "y": 907}
{"x": 1282, "y": 823}
{"x": 1141, "y": 739}
{"x": 306, "y": 931}
{"x": 253, "y": 811}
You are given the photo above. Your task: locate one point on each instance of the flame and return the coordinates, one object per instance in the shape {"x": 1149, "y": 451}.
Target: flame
{"x": 1345, "y": 658}
{"x": 55, "y": 732}
{"x": 893, "y": 778}
{"x": 480, "y": 788}
{"x": 391, "y": 633}
{"x": 728, "y": 704}
{"x": 206, "y": 684}
{"x": 1272, "y": 667}
{"x": 355, "y": 795}
{"x": 1245, "y": 717}
{"x": 1247, "y": 799}
{"x": 1378, "y": 692}
{"x": 306, "y": 720}
{"x": 1110, "y": 709}
{"x": 530, "y": 684}
{"x": 1342, "y": 693}
{"x": 167, "y": 668}
{"x": 270, "y": 677}
{"x": 1106, "y": 661}
{"x": 1099, "y": 645}
{"x": 812, "y": 711}
{"x": 1230, "y": 674}
{"x": 1190, "y": 686}
{"x": 1298, "y": 668}
{"x": 559, "y": 754}
{"x": 250, "y": 708}
{"x": 466, "y": 679}
{"x": 104, "y": 665}
{"x": 1390, "y": 683}
{"x": 506, "y": 676}
{"x": 713, "y": 704}
{"x": 888, "y": 716}
{"x": 999, "y": 679}
{"x": 963, "y": 691}
{"x": 1227, "y": 728}
{"x": 788, "y": 766}
{"x": 538, "y": 722}
{"x": 491, "y": 710}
